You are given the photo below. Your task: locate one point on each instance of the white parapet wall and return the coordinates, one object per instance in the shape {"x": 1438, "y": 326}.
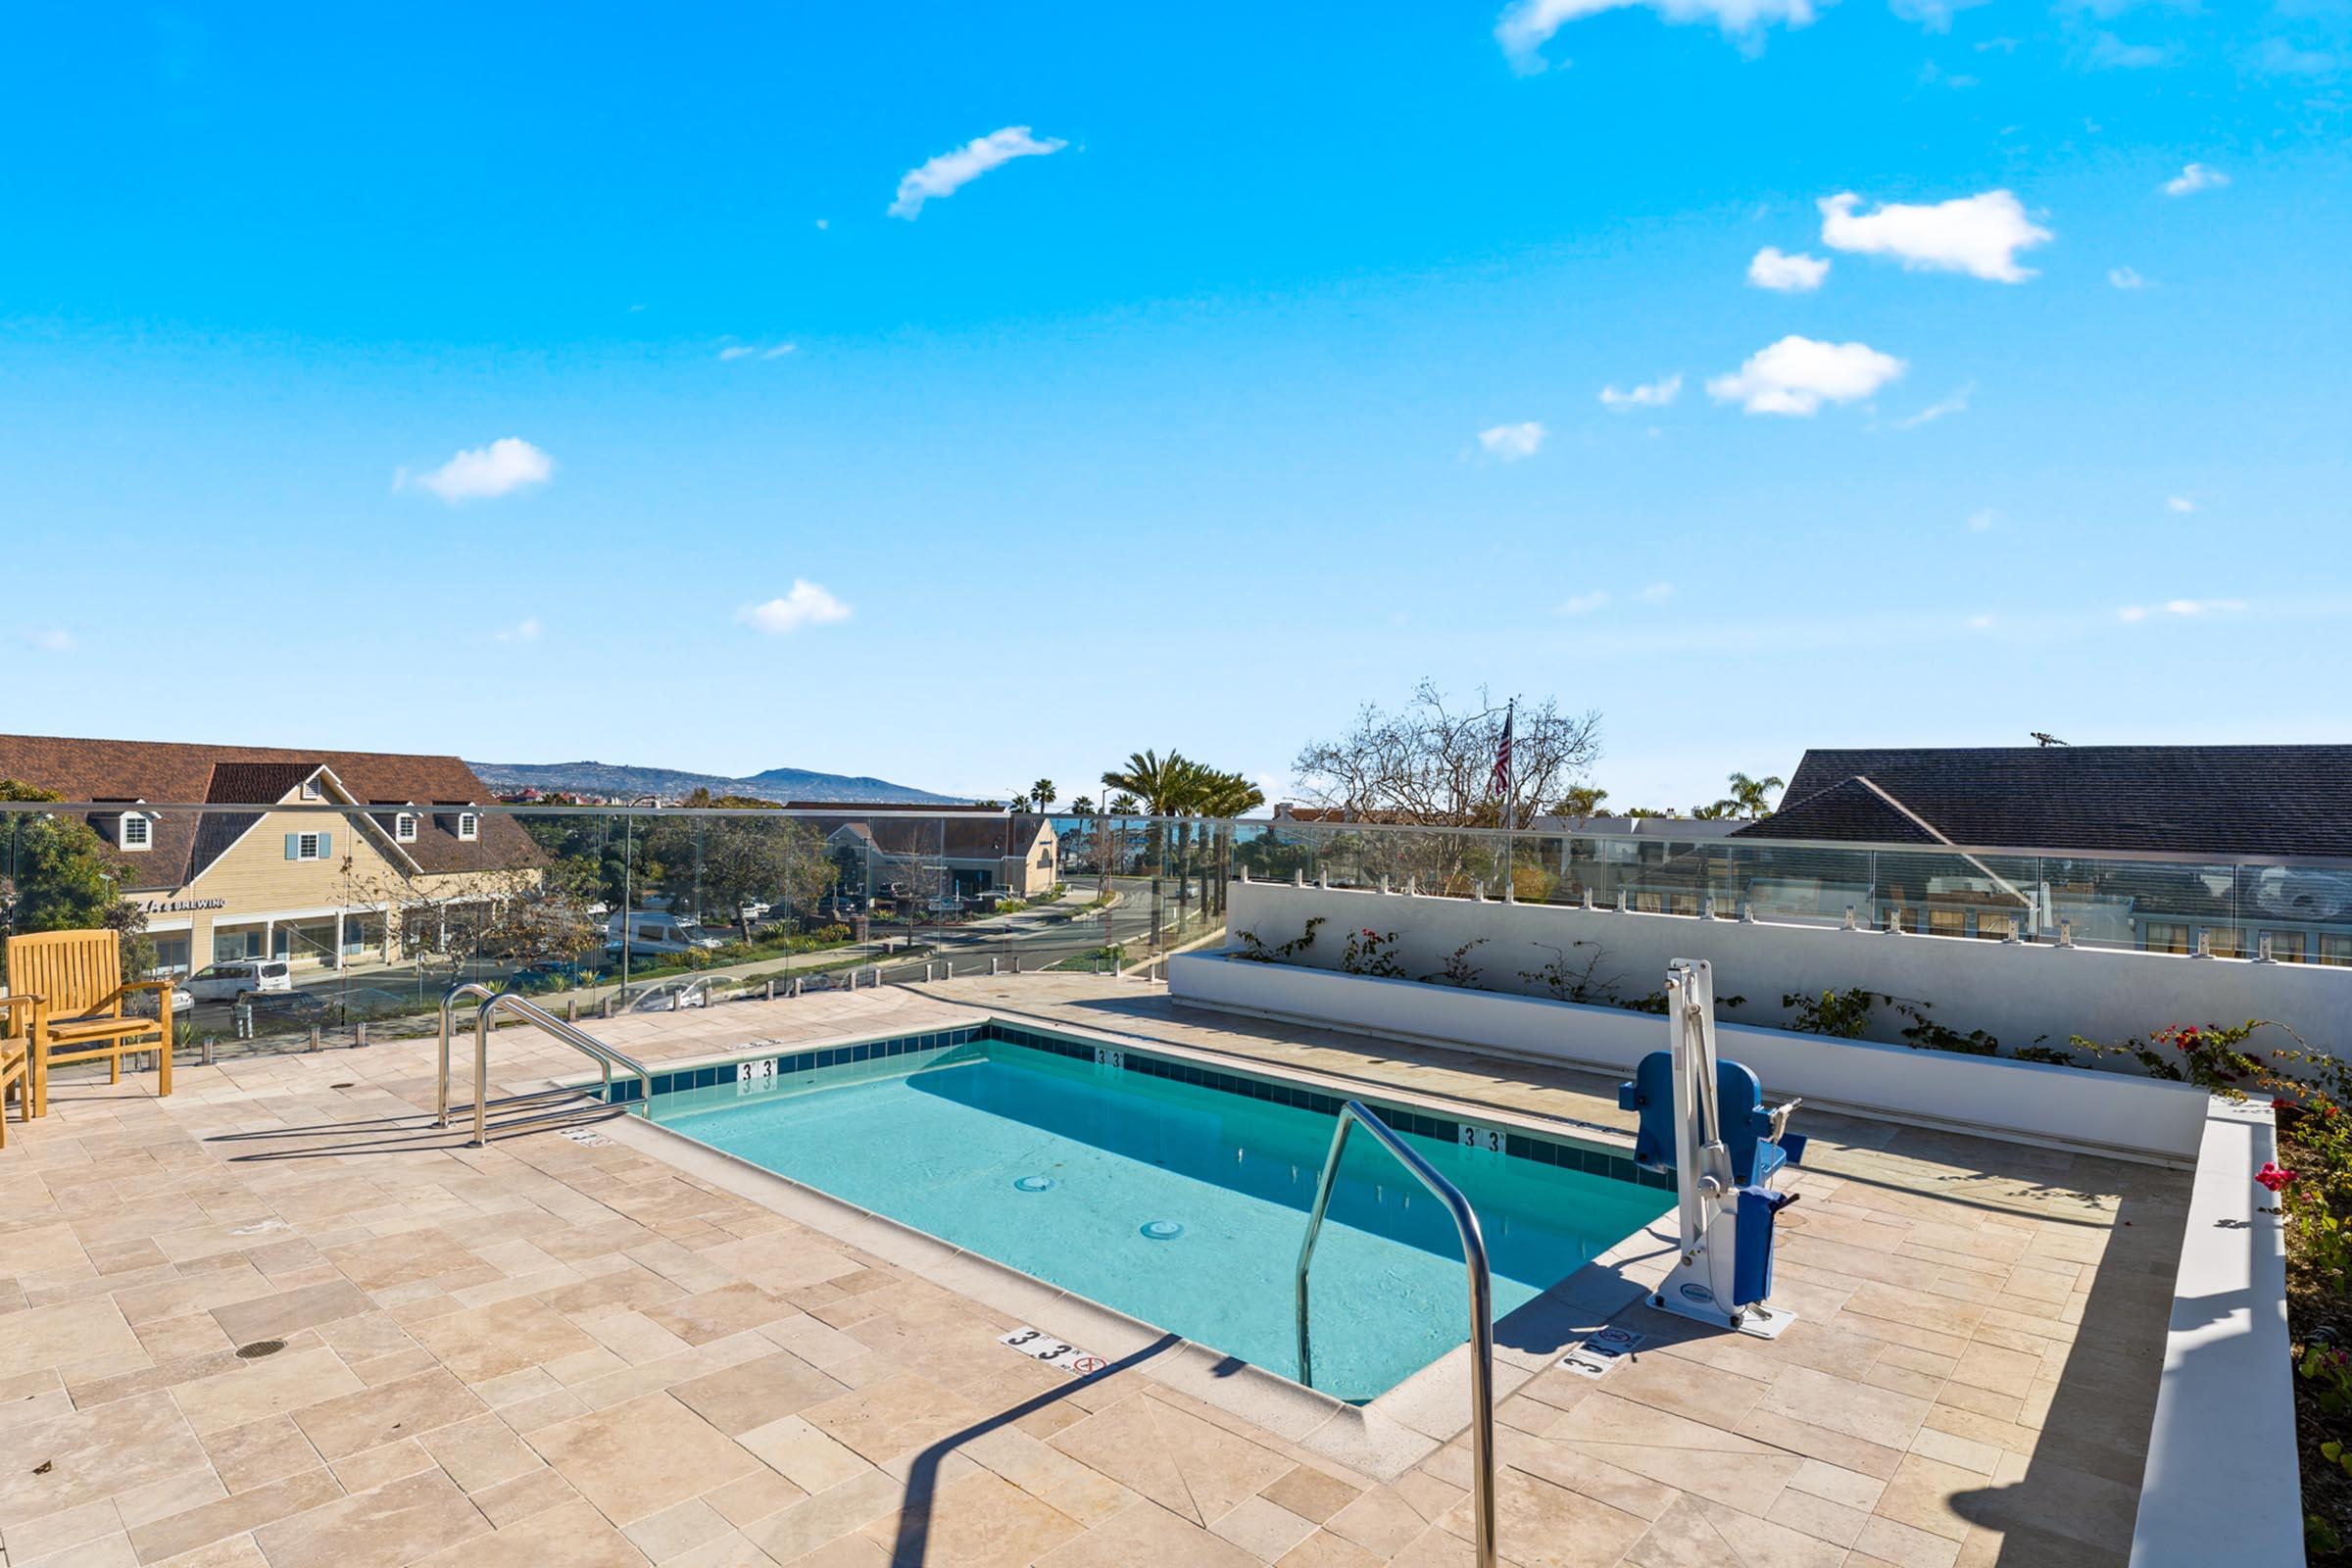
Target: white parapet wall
{"x": 2019, "y": 993}
{"x": 2137, "y": 1119}
{"x": 2222, "y": 1485}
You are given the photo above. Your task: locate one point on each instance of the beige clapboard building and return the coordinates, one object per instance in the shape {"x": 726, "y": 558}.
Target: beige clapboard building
{"x": 367, "y": 857}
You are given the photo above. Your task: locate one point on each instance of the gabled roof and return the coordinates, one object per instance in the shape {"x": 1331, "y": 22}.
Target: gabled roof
{"x": 2193, "y": 800}
{"x": 256, "y": 776}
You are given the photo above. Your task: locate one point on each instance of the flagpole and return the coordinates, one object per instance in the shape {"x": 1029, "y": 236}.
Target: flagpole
{"x": 1510, "y": 778}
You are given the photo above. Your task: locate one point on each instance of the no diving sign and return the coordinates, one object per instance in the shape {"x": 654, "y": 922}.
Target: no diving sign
{"x": 1041, "y": 1346}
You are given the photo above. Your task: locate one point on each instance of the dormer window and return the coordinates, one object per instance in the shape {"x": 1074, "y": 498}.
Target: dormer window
{"x": 403, "y": 827}
{"x": 311, "y": 790}
{"x": 469, "y": 826}
{"x": 137, "y": 832}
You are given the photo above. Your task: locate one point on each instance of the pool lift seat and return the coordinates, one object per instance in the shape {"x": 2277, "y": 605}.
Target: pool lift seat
{"x": 1705, "y": 1121}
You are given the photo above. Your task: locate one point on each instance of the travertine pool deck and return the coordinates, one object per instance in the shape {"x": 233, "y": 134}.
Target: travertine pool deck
{"x": 557, "y": 1351}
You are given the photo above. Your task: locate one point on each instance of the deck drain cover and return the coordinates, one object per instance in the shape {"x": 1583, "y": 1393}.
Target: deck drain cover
{"x": 1035, "y": 1184}
{"x": 1162, "y": 1230}
{"x": 258, "y": 1348}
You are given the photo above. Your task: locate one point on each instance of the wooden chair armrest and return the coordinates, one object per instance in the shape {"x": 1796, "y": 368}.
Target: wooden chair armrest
{"x": 28, "y": 1000}
{"x": 114, "y": 1001}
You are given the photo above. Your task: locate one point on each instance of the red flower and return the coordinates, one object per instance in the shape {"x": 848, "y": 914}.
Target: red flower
{"x": 2273, "y": 1176}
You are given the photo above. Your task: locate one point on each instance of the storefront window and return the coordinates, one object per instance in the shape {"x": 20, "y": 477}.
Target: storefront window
{"x": 2163, "y": 936}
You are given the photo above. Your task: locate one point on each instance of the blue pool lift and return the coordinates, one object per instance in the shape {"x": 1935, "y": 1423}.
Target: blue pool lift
{"x": 1705, "y": 1121}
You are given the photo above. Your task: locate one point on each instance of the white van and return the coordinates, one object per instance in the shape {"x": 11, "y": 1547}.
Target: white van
{"x": 658, "y": 931}
{"x": 226, "y": 982}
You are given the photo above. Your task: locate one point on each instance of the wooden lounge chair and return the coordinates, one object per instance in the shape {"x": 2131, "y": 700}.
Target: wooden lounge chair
{"x": 74, "y": 981}
{"x": 15, "y": 1060}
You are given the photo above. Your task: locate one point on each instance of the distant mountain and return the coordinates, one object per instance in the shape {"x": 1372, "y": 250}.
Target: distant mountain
{"x": 671, "y": 784}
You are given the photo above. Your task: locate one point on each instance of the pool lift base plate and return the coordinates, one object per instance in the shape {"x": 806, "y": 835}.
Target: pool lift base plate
{"x": 1755, "y": 1320}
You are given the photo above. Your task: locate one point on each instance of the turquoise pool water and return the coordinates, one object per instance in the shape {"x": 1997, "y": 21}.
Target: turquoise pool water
{"x": 1175, "y": 1195}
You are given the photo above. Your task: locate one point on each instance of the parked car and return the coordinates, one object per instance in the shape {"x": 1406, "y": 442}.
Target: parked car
{"x": 658, "y": 931}
{"x": 285, "y": 1006}
{"x": 226, "y": 982}
{"x": 666, "y": 995}
{"x": 141, "y": 1003}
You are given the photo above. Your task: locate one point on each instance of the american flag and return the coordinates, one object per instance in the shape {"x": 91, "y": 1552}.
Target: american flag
{"x": 1500, "y": 783}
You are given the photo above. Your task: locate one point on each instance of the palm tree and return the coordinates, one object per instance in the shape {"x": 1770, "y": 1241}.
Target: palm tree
{"x": 1159, "y": 784}
{"x": 1083, "y": 806}
{"x": 1225, "y": 795}
{"x": 1581, "y": 802}
{"x": 1716, "y": 812}
{"x": 1043, "y": 793}
{"x": 1751, "y": 796}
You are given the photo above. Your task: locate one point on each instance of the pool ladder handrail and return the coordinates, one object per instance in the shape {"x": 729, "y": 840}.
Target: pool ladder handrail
{"x": 1482, "y": 1300}
{"x": 605, "y": 1057}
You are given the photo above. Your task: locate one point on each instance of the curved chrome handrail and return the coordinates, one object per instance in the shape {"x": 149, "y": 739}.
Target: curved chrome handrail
{"x": 579, "y": 1040}
{"x": 449, "y": 999}
{"x": 1482, "y": 1300}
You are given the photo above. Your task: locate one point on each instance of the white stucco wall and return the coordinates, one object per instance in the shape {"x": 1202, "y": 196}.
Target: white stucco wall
{"x": 2017, "y": 993}
{"x": 2131, "y": 1116}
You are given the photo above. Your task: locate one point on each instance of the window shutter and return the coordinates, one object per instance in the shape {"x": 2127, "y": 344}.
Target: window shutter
{"x": 327, "y": 846}
{"x": 293, "y": 845}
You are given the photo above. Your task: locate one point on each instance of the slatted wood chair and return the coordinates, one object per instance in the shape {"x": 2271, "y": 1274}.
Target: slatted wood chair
{"x": 15, "y": 1060}
{"x": 74, "y": 980}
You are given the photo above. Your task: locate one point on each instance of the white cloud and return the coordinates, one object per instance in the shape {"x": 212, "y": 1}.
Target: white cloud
{"x": 1980, "y": 235}
{"x": 504, "y": 466}
{"x": 1979, "y": 623}
{"x": 1935, "y": 16}
{"x": 2182, "y": 607}
{"x": 949, "y": 172}
{"x": 2110, "y": 53}
{"x": 1776, "y": 268}
{"x": 2179, "y": 504}
{"x": 2125, "y": 278}
{"x": 2194, "y": 178}
{"x": 1957, "y": 403}
{"x": 1797, "y": 375}
{"x": 745, "y": 351}
{"x": 49, "y": 640}
{"x": 807, "y": 605}
{"x": 523, "y": 631}
{"x": 1657, "y": 593}
{"x": 1649, "y": 395}
{"x": 2281, "y": 58}
{"x": 1529, "y": 25}
{"x": 1583, "y": 603}
{"x": 1984, "y": 519}
{"x": 824, "y": 222}
{"x": 1511, "y": 442}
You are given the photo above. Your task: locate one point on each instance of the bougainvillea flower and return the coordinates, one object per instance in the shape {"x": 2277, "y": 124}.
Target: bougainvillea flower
{"x": 2273, "y": 1176}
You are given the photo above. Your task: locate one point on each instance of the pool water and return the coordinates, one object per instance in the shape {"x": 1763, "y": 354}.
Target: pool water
{"x": 1179, "y": 1203}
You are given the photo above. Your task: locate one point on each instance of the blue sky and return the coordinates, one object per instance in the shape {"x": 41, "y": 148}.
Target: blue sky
{"x": 1267, "y": 379}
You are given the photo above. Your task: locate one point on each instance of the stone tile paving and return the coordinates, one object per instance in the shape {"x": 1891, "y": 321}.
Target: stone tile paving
{"x": 557, "y": 1353}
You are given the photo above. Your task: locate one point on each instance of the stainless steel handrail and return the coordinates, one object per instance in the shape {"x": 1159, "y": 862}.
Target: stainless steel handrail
{"x": 604, "y": 1056}
{"x": 1482, "y": 1300}
{"x": 579, "y": 1040}
{"x": 449, "y": 1000}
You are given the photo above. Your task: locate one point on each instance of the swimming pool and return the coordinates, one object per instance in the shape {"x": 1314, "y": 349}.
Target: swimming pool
{"x": 1172, "y": 1192}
